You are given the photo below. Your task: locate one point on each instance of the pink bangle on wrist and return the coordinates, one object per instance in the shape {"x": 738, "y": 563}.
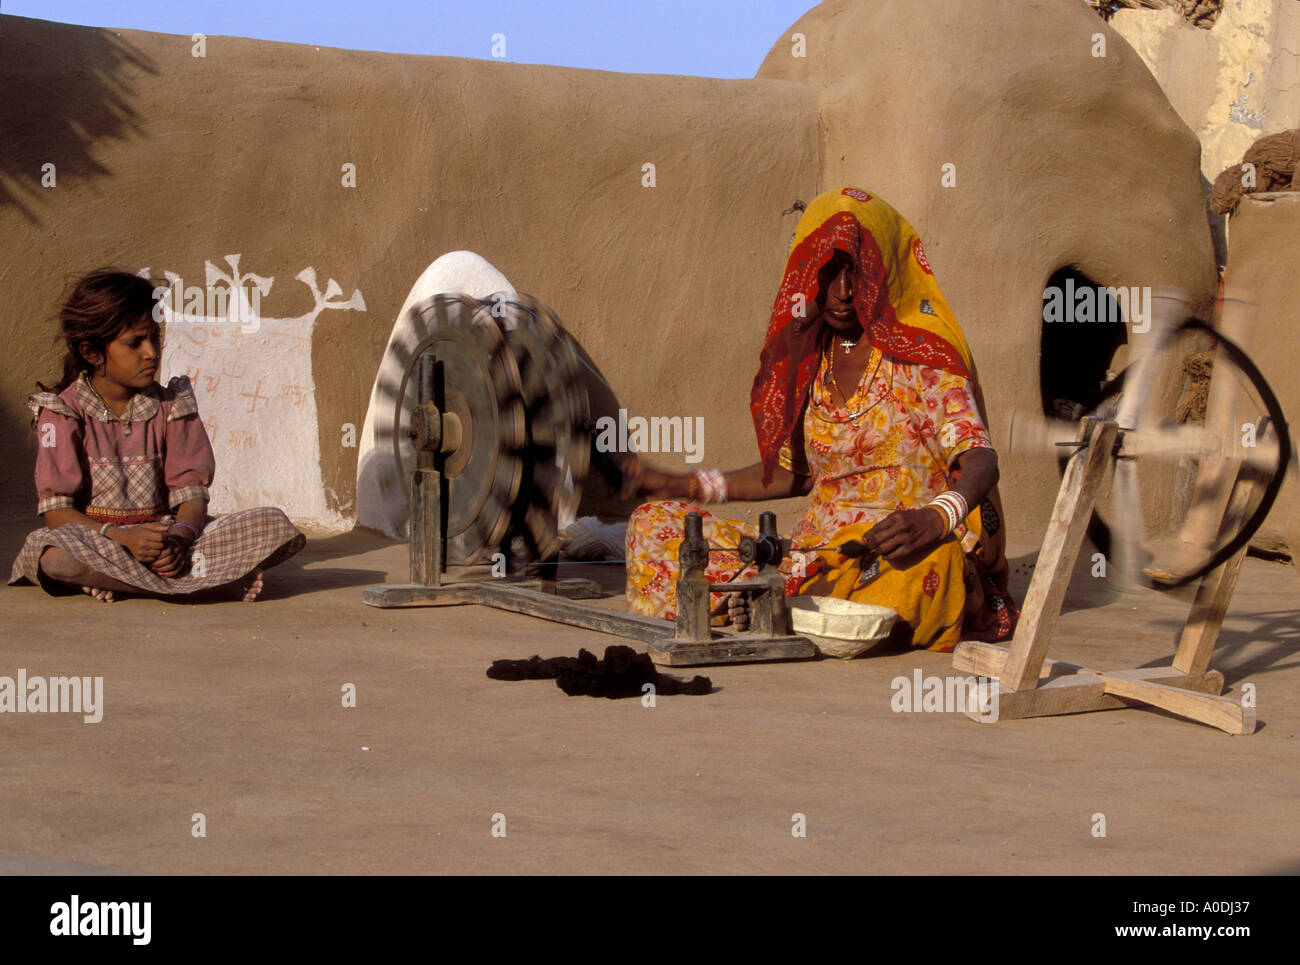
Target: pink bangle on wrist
{"x": 712, "y": 485}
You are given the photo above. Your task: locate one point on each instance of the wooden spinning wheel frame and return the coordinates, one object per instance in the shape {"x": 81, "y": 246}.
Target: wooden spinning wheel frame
{"x": 1230, "y": 481}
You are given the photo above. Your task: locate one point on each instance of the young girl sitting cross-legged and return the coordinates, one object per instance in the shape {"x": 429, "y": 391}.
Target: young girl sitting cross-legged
{"x": 123, "y": 467}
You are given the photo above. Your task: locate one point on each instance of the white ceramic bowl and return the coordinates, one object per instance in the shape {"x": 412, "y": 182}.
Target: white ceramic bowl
{"x": 840, "y": 628}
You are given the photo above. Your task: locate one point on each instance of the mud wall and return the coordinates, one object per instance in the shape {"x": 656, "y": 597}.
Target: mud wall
{"x": 171, "y": 161}
{"x": 1264, "y": 236}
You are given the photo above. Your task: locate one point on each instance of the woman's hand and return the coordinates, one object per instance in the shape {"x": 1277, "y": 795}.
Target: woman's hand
{"x": 174, "y": 558}
{"x": 742, "y": 484}
{"x": 643, "y": 482}
{"x": 144, "y": 542}
{"x": 905, "y": 533}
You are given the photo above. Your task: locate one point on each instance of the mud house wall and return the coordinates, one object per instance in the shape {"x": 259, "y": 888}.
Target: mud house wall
{"x": 1232, "y": 83}
{"x": 1059, "y": 159}
{"x": 1265, "y": 236}
{"x": 170, "y": 161}
{"x": 538, "y": 169}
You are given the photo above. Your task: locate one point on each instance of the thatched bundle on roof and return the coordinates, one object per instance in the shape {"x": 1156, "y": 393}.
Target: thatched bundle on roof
{"x": 1199, "y": 13}
{"x": 1272, "y": 163}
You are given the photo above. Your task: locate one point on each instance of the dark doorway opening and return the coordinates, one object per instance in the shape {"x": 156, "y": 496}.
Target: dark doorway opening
{"x": 1078, "y": 351}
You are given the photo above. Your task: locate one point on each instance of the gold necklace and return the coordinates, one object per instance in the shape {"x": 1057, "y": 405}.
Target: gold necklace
{"x": 831, "y": 366}
{"x": 855, "y": 416}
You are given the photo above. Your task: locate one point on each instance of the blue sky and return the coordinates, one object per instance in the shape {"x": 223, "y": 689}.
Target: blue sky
{"x": 708, "y": 38}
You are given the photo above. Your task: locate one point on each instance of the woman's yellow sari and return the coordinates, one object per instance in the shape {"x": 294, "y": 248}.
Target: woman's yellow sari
{"x": 891, "y": 446}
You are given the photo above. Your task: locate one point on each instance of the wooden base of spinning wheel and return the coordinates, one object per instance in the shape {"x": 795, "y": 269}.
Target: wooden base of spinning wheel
{"x": 559, "y": 607}
{"x": 1030, "y": 685}
{"x": 668, "y": 644}
{"x": 533, "y": 404}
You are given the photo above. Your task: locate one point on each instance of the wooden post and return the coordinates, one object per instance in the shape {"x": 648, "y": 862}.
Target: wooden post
{"x": 1065, "y": 532}
{"x": 428, "y": 504}
{"x": 1214, "y": 593}
{"x": 1215, "y": 474}
{"x": 769, "y": 616}
{"x": 693, "y": 584}
{"x": 426, "y": 544}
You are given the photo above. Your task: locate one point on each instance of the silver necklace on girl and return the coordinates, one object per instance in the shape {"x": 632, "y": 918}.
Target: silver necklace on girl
{"x": 126, "y": 423}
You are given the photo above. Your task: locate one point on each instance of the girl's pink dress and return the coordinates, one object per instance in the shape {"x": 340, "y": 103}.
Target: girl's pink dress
{"x": 133, "y": 469}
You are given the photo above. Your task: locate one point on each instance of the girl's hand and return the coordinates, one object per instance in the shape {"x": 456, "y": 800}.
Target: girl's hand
{"x": 144, "y": 542}
{"x": 905, "y": 533}
{"x": 174, "y": 558}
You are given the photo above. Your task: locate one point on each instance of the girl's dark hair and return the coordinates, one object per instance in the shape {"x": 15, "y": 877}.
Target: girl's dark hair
{"x": 101, "y": 306}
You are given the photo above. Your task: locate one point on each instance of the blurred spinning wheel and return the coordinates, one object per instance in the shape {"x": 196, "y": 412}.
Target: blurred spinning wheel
{"x": 557, "y": 447}
{"x": 1211, "y": 453}
{"x": 506, "y": 370}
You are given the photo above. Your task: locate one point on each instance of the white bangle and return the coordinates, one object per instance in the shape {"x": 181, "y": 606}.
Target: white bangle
{"x": 958, "y": 502}
{"x": 954, "y": 508}
{"x": 104, "y": 527}
{"x": 946, "y": 512}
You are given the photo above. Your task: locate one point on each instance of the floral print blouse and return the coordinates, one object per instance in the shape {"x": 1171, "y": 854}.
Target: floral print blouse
{"x": 889, "y": 448}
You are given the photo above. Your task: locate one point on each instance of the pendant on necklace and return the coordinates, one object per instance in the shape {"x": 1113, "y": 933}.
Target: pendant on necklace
{"x": 847, "y": 346}
{"x": 126, "y": 429}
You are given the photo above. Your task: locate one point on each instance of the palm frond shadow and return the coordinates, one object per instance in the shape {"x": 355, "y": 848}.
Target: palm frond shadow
{"x": 61, "y": 105}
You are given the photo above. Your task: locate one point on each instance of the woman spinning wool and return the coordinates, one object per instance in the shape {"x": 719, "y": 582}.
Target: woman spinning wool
{"x": 866, "y": 398}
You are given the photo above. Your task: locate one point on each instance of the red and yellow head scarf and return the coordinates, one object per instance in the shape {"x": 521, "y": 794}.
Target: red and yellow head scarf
{"x": 902, "y": 310}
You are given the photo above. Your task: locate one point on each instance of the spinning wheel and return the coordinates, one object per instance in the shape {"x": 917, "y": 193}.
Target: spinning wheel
{"x": 1189, "y": 463}
{"x": 489, "y": 417}
{"x": 504, "y": 429}
{"x": 1230, "y": 456}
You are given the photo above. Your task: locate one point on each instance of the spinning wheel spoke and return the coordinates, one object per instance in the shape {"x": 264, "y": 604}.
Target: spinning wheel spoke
{"x": 556, "y": 450}
{"x": 1198, "y": 442}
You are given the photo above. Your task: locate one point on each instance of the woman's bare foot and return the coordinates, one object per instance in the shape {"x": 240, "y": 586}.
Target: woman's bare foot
{"x": 732, "y": 610}
{"x": 738, "y": 610}
{"x": 104, "y": 596}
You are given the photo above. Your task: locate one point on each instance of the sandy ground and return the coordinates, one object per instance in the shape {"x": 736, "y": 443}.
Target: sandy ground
{"x": 234, "y": 711}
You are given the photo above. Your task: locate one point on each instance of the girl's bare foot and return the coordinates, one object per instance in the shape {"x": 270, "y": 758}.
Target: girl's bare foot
{"x": 245, "y": 590}
{"x": 252, "y": 587}
{"x": 66, "y": 569}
